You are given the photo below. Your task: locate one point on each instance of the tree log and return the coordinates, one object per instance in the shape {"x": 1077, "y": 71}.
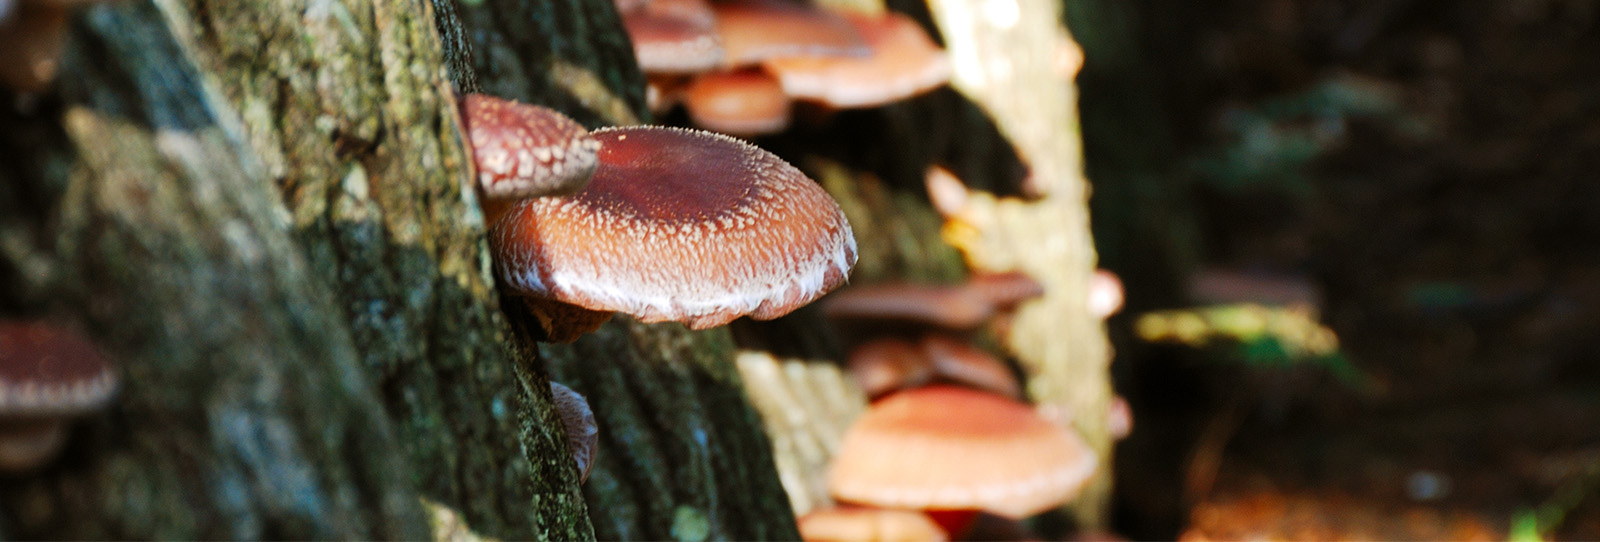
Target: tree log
{"x": 131, "y": 208}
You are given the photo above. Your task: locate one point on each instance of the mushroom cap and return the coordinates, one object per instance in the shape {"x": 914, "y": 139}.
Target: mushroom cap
{"x": 947, "y": 306}
{"x": 47, "y": 370}
{"x": 903, "y": 62}
{"x": 886, "y": 364}
{"x": 577, "y": 420}
{"x": 947, "y": 448}
{"x": 1006, "y": 289}
{"x": 743, "y": 103}
{"x": 960, "y": 362}
{"x": 679, "y": 225}
{"x": 669, "y": 42}
{"x": 525, "y": 151}
{"x": 756, "y": 30}
{"x": 862, "y": 524}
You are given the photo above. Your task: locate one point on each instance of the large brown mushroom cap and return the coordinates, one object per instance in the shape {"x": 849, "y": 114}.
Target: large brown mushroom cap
{"x": 951, "y": 448}
{"x": 679, "y": 225}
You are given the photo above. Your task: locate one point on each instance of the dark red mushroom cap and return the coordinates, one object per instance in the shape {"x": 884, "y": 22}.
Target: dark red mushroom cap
{"x": 46, "y": 370}
{"x": 525, "y": 151}
{"x": 679, "y": 225}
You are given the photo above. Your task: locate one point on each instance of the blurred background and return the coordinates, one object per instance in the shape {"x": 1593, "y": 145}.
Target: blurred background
{"x": 1361, "y": 263}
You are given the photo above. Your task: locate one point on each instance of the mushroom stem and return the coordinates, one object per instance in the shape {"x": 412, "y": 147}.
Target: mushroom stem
{"x": 32, "y": 38}
{"x": 26, "y": 445}
{"x": 565, "y": 322}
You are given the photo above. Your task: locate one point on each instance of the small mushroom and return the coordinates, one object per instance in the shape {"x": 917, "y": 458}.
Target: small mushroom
{"x": 946, "y": 306}
{"x": 952, "y": 448}
{"x": 756, "y": 30}
{"x": 1006, "y": 289}
{"x": 48, "y": 375}
{"x": 577, "y": 420}
{"x": 742, "y": 103}
{"x": 524, "y": 151}
{"x": 903, "y": 62}
{"x": 959, "y": 362}
{"x": 676, "y": 225}
{"x": 672, "y": 42}
{"x": 887, "y": 364}
{"x": 949, "y": 306}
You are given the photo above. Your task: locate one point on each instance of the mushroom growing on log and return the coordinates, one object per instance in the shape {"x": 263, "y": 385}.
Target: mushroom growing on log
{"x": 48, "y": 375}
{"x": 676, "y": 225}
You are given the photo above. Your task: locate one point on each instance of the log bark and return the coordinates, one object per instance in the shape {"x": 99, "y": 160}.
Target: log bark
{"x": 131, "y": 208}
{"x": 356, "y": 123}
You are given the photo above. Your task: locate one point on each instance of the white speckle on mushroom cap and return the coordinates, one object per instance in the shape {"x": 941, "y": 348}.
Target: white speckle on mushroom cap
{"x": 525, "y": 151}
{"x": 679, "y": 225}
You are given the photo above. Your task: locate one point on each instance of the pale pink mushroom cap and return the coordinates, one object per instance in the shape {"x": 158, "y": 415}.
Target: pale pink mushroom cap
{"x": 903, "y": 62}
{"x": 577, "y": 421}
{"x": 679, "y": 225}
{"x": 672, "y": 43}
{"x": 526, "y": 150}
{"x": 756, "y": 30}
{"x": 741, "y": 103}
{"x": 860, "y": 524}
{"x": 952, "y": 448}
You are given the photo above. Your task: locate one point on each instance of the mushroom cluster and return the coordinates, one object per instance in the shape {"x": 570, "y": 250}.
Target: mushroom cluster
{"x": 948, "y": 433}
{"x": 737, "y": 65}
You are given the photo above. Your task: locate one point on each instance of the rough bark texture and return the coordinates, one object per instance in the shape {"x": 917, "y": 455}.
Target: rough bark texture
{"x": 1014, "y": 60}
{"x": 355, "y": 121}
{"x": 129, "y": 206}
{"x": 682, "y": 453}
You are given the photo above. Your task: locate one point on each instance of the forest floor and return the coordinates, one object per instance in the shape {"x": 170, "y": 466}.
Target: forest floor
{"x": 1454, "y": 238}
